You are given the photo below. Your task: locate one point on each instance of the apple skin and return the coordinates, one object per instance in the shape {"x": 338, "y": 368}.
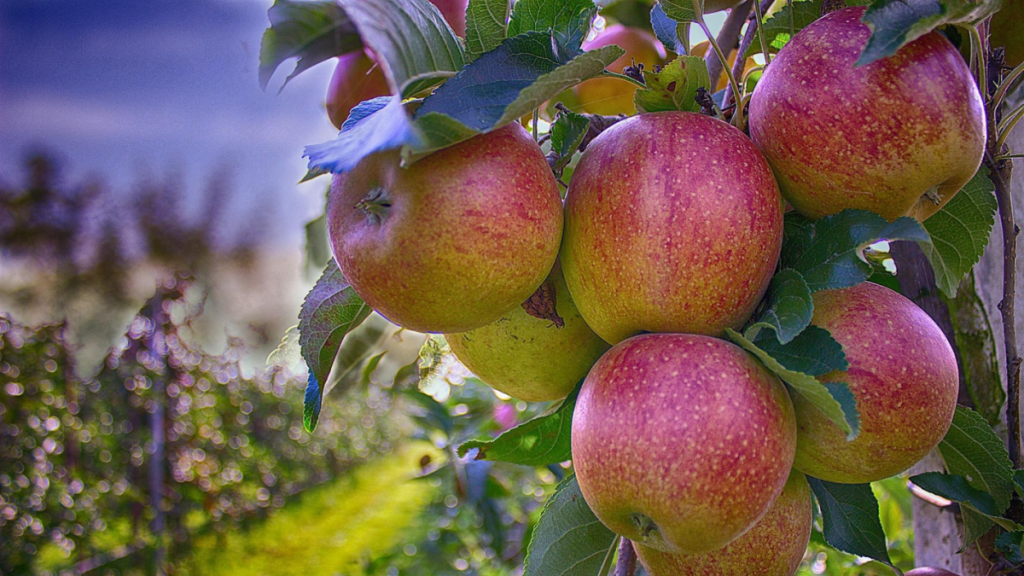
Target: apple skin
{"x": 903, "y": 374}
{"x": 681, "y": 442}
{"x": 773, "y": 547}
{"x": 357, "y": 77}
{"x": 613, "y": 96}
{"x": 456, "y": 240}
{"x": 881, "y": 137}
{"x": 928, "y": 571}
{"x": 529, "y": 358}
{"x": 684, "y": 238}
{"x": 454, "y": 11}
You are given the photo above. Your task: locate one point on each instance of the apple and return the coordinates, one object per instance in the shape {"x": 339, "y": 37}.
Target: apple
{"x": 530, "y": 358}
{"x": 928, "y": 571}
{"x": 773, "y": 547}
{"x": 454, "y": 241}
{"x": 903, "y": 374}
{"x": 673, "y": 223}
{"x": 358, "y": 76}
{"x": 681, "y": 442}
{"x": 613, "y": 96}
{"x": 899, "y": 136}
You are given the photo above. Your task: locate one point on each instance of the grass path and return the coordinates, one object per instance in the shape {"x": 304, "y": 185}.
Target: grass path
{"x": 329, "y": 530}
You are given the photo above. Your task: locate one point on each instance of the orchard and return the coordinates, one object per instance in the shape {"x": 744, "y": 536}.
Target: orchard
{"x": 692, "y": 253}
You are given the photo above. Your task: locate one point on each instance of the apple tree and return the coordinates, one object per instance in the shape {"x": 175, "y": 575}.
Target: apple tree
{"x": 747, "y": 281}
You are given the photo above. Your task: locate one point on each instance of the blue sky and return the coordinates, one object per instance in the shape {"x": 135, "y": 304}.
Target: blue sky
{"x": 120, "y": 88}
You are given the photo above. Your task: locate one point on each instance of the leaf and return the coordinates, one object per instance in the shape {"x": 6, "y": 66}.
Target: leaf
{"x": 567, "y": 133}
{"x": 812, "y": 352}
{"x": 779, "y": 28}
{"x": 959, "y": 232}
{"x": 830, "y": 252}
{"x": 674, "y": 87}
{"x": 973, "y": 450}
{"x": 955, "y": 487}
{"x": 309, "y": 31}
{"x": 787, "y": 307}
{"x": 370, "y": 366}
{"x": 568, "y": 21}
{"x": 805, "y": 384}
{"x": 486, "y": 22}
{"x": 896, "y": 23}
{"x": 539, "y": 442}
{"x": 568, "y": 539}
{"x": 1009, "y": 543}
{"x": 849, "y": 515}
{"x": 679, "y": 10}
{"x": 311, "y": 403}
{"x": 331, "y": 309}
{"x": 384, "y": 129}
{"x": 413, "y": 42}
{"x": 512, "y": 80}
{"x": 666, "y": 29}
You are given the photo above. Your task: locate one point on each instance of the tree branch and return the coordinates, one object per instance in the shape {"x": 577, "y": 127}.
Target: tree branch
{"x": 626, "y": 565}
{"x": 727, "y": 38}
{"x": 740, "y": 63}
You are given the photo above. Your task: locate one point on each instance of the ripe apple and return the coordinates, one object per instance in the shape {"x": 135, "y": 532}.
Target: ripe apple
{"x": 928, "y": 571}
{"x": 530, "y": 358}
{"x": 903, "y": 374}
{"x": 773, "y": 547}
{"x": 899, "y": 136}
{"x": 613, "y": 96}
{"x": 673, "y": 223}
{"x": 681, "y": 442}
{"x": 358, "y": 76}
{"x": 454, "y": 241}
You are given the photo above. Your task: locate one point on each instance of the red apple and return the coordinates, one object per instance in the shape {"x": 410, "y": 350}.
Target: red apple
{"x": 613, "y": 96}
{"x": 899, "y": 136}
{"x": 903, "y": 374}
{"x": 673, "y": 224}
{"x": 454, "y": 11}
{"x": 681, "y": 442}
{"x": 456, "y": 240}
{"x": 773, "y": 547}
{"x": 531, "y": 358}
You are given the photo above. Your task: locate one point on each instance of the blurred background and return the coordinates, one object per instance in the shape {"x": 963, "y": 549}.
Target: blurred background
{"x": 155, "y": 247}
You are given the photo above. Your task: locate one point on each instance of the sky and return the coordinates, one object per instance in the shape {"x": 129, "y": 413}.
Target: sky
{"x": 121, "y": 88}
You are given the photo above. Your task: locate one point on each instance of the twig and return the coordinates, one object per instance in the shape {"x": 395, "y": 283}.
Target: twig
{"x": 727, "y": 38}
{"x": 626, "y": 566}
{"x": 741, "y": 60}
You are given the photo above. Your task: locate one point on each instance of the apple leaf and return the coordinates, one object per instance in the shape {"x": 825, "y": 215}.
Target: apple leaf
{"x": 386, "y": 128}
{"x": 787, "y": 307}
{"x": 955, "y": 487}
{"x": 330, "y": 311}
{"x": 834, "y": 406}
{"x": 568, "y": 539}
{"x": 1009, "y": 544}
{"x": 960, "y": 231}
{"x": 973, "y": 450}
{"x": 896, "y": 23}
{"x": 830, "y": 252}
{"x": 567, "y": 133}
{"x": 310, "y": 31}
{"x": 514, "y": 79}
{"x": 666, "y": 29}
{"x": 679, "y": 10}
{"x": 486, "y": 23}
{"x": 779, "y": 28}
{"x": 674, "y": 87}
{"x": 814, "y": 351}
{"x": 568, "y": 21}
{"x": 539, "y": 442}
{"x": 849, "y": 516}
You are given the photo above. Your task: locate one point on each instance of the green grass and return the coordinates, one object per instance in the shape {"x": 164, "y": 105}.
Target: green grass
{"x": 330, "y": 530}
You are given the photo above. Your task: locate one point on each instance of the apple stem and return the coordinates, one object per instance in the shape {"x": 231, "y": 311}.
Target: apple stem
{"x": 375, "y": 205}
{"x": 727, "y": 37}
{"x": 626, "y": 565}
{"x": 741, "y": 61}
{"x": 721, "y": 56}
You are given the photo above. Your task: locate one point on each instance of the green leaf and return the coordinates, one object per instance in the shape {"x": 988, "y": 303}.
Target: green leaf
{"x": 666, "y": 29}
{"x": 896, "y": 23}
{"x": 539, "y": 442}
{"x": 973, "y": 450}
{"x": 679, "y": 10}
{"x": 830, "y": 252}
{"x": 370, "y": 366}
{"x": 311, "y": 403}
{"x": 384, "y": 129}
{"x": 1018, "y": 481}
{"x": 310, "y": 31}
{"x": 787, "y": 308}
{"x": 780, "y": 27}
{"x": 960, "y": 231}
{"x": 330, "y": 311}
{"x": 674, "y": 87}
{"x": 486, "y": 22}
{"x": 955, "y": 487}
{"x": 567, "y": 133}
{"x": 568, "y": 539}
{"x": 412, "y": 40}
{"x": 567, "y": 20}
{"x": 807, "y": 385}
{"x": 850, "y": 522}
{"x": 1009, "y": 543}
{"x": 514, "y": 79}
{"x": 812, "y": 352}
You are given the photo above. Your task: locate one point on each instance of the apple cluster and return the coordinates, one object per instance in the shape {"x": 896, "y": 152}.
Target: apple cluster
{"x": 669, "y": 234}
